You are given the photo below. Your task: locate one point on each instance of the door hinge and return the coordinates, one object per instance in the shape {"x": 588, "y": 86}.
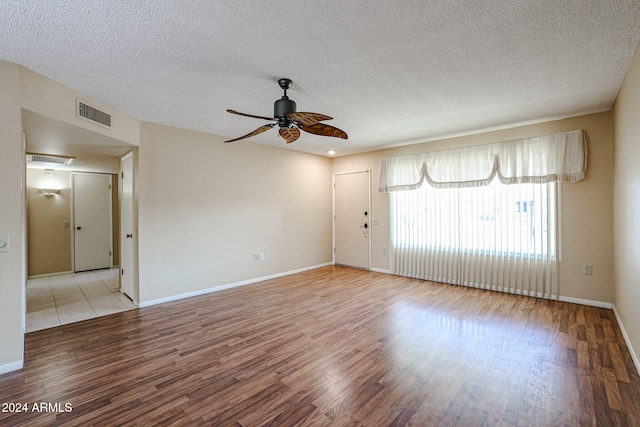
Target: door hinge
{"x": 109, "y": 253}
{"x": 122, "y": 271}
{"x": 109, "y": 186}
{"x": 122, "y": 173}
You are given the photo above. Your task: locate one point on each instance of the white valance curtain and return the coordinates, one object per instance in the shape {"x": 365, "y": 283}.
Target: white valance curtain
{"x": 560, "y": 157}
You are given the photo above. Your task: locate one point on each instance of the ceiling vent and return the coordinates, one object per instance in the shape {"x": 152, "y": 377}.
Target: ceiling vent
{"x": 94, "y": 115}
{"x": 49, "y": 158}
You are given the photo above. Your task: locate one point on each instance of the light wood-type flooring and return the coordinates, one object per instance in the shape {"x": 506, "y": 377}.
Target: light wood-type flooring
{"x": 332, "y": 347}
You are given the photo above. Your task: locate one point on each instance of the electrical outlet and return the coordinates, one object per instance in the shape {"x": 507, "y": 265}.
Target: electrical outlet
{"x": 384, "y": 251}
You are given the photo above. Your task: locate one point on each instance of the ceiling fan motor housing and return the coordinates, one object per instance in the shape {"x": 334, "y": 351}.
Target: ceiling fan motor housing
{"x": 283, "y": 107}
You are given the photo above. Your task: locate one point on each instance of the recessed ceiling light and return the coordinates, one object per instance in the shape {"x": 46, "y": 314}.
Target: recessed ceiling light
{"x": 331, "y": 152}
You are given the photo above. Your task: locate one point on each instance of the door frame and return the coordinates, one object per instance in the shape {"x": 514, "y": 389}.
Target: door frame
{"x": 73, "y": 217}
{"x": 333, "y": 245}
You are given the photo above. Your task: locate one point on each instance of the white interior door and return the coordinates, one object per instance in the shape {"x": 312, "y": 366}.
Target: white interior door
{"x": 91, "y": 221}
{"x": 127, "y": 227}
{"x": 351, "y": 219}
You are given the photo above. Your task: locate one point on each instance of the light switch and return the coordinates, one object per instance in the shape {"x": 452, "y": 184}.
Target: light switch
{"x": 4, "y": 243}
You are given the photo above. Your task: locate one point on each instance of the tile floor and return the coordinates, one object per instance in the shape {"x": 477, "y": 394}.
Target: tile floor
{"x": 58, "y": 300}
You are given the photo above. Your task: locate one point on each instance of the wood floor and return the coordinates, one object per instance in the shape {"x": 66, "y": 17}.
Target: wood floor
{"x": 334, "y": 347}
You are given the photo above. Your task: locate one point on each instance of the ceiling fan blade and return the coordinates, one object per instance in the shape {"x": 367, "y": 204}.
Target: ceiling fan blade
{"x": 308, "y": 118}
{"x": 250, "y": 115}
{"x": 255, "y": 132}
{"x": 325, "y": 130}
{"x": 290, "y": 134}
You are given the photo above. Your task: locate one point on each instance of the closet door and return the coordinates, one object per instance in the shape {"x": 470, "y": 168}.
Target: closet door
{"x": 91, "y": 221}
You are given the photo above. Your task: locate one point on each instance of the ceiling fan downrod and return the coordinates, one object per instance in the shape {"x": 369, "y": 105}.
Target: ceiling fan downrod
{"x": 284, "y": 106}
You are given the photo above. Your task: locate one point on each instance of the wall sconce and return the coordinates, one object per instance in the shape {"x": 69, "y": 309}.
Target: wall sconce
{"x": 49, "y": 192}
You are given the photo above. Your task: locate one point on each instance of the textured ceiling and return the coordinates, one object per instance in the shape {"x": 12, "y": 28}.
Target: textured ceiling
{"x": 389, "y": 72}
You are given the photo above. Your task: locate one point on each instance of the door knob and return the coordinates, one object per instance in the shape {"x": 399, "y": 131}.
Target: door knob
{"x": 78, "y": 228}
{"x": 130, "y": 236}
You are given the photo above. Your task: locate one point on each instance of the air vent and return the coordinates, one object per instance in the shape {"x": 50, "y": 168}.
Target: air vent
{"x": 48, "y": 158}
{"x": 89, "y": 113}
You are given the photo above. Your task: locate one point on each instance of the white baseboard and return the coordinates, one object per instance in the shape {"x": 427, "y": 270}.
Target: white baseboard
{"x": 375, "y": 270}
{"x": 581, "y": 301}
{"x": 62, "y": 273}
{"x": 13, "y": 366}
{"x": 229, "y": 286}
{"x": 636, "y": 361}
{"x": 59, "y": 273}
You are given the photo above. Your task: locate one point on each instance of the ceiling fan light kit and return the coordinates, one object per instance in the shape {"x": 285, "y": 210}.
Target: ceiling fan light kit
{"x": 290, "y": 121}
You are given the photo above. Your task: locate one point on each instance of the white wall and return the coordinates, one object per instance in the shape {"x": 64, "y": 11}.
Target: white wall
{"x": 12, "y": 263}
{"x": 206, "y": 206}
{"x": 627, "y": 204}
{"x": 587, "y": 205}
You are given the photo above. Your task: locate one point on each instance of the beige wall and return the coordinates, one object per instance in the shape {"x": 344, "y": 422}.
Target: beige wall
{"x": 49, "y": 247}
{"x": 587, "y": 224}
{"x": 49, "y": 243}
{"x": 12, "y": 263}
{"x": 55, "y": 101}
{"x": 205, "y": 207}
{"x": 24, "y": 89}
{"x": 627, "y": 203}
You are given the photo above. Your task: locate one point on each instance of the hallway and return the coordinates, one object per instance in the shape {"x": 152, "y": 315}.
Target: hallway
{"x": 59, "y": 300}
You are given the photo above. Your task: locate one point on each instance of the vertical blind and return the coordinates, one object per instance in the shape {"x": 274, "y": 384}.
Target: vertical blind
{"x": 500, "y": 234}
{"x": 499, "y": 237}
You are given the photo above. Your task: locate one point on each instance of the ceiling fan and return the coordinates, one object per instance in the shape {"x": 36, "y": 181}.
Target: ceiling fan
{"x": 290, "y": 121}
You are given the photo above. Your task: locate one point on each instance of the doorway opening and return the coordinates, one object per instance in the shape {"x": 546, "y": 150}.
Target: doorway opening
{"x": 59, "y": 290}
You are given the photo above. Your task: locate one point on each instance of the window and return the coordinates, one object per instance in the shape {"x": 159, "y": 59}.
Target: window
{"x": 485, "y": 215}
{"x": 499, "y": 237}
{"x": 499, "y": 220}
